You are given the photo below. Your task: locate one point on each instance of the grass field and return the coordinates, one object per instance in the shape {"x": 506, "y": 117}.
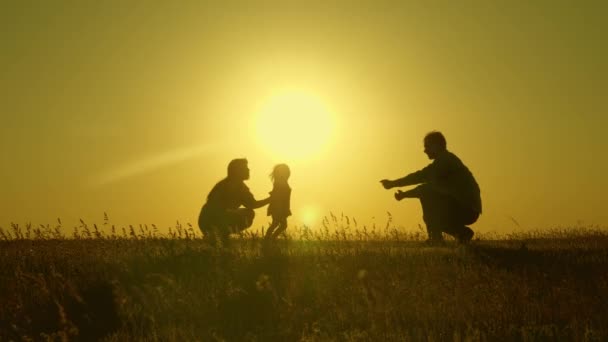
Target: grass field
{"x": 340, "y": 283}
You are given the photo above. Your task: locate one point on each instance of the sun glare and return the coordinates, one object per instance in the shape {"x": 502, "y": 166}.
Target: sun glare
{"x": 308, "y": 215}
{"x": 294, "y": 125}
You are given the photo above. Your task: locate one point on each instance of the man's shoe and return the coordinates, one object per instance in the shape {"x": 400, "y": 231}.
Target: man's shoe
{"x": 434, "y": 242}
{"x": 466, "y": 236}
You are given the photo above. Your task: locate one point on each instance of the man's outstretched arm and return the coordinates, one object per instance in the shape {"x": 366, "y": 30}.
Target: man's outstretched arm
{"x": 417, "y": 177}
{"x": 260, "y": 203}
{"x": 251, "y": 203}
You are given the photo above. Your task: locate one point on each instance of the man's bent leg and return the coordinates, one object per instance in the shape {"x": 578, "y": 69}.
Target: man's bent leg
{"x": 211, "y": 233}
{"x": 458, "y": 218}
{"x": 241, "y": 219}
{"x": 213, "y": 226}
{"x": 204, "y": 221}
{"x": 431, "y": 210}
{"x": 467, "y": 217}
{"x": 460, "y": 232}
{"x": 443, "y": 213}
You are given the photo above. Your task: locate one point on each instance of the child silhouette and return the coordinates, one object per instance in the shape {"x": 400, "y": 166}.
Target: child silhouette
{"x": 280, "y": 195}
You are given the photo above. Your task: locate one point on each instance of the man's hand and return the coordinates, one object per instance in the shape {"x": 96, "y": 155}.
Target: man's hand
{"x": 387, "y": 184}
{"x": 399, "y": 195}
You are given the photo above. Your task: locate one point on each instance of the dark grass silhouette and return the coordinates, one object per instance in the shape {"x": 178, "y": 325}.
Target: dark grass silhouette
{"x": 323, "y": 287}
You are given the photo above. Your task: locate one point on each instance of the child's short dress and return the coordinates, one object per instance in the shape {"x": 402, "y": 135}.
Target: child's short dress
{"x": 279, "y": 206}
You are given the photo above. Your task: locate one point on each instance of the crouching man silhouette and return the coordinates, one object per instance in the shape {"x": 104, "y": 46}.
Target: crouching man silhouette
{"x": 449, "y": 195}
{"x": 230, "y": 204}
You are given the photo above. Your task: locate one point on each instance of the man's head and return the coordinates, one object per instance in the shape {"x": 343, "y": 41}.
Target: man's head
{"x": 238, "y": 169}
{"x": 434, "y": 143}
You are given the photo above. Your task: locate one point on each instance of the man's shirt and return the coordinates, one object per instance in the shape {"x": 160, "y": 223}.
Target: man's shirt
{"x": 230, "y": 194}
{"x": 447, "y": 174}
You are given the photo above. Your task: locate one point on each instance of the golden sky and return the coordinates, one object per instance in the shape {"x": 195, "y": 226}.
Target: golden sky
{"x": 135, "y": 108}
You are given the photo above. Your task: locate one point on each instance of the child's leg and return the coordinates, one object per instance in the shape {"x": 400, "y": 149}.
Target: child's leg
{"x": 271, "y": 229}
{"x": 282, "y": 226}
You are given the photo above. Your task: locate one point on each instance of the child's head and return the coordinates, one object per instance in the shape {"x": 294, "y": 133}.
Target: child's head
{"x": 280, "y": 172}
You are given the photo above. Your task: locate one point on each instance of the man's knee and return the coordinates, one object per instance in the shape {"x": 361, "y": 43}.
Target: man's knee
{"x": 249, "y": 212}
{"x": 248, "y": 215}
{"x": 241, "y": 219}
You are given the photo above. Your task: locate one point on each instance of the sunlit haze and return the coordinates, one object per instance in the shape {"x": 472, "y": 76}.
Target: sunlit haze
{"x": 294, "y": 125}
{"x": 135, "y": 109}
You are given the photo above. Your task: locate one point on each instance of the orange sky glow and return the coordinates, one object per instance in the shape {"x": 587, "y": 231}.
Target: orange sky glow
{"x": 136, "y": 110}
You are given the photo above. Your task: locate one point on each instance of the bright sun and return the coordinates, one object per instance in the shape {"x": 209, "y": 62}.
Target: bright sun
{"x": 294, "y": 125}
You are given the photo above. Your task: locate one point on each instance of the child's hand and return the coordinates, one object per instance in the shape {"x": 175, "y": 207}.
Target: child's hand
{"x": 399, "y": 195}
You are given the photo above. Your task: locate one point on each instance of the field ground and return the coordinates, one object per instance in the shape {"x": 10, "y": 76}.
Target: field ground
{"x": 521, "y": 288}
